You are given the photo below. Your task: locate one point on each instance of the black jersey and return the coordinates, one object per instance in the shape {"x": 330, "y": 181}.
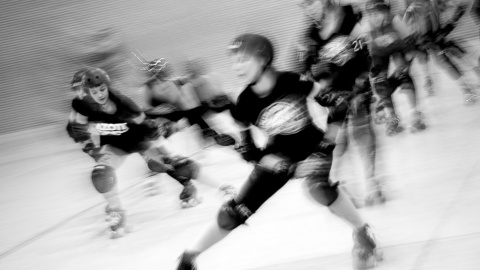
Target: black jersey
{"x": 385, "y": 42}
{"x": 342, "y": 76}
{"x": 283, "y": 115}
{"x": 350, "y": 19}
{"x": 115, "y": 129}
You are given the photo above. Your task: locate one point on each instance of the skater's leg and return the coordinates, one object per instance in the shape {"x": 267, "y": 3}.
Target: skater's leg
{"x": 456, "y": 74}
{"x": 343, "y": 208}
{"x": 259, "y": 187}
{"x": 364, "y": 137}
{"x": 424, "y": 62}
{"x": 212, "y": 235}
{"x": 384, "y": 88}
{"x": 406, "y": 83}
{"x": 104, "y": 178}
{"x": 326, "y": 193}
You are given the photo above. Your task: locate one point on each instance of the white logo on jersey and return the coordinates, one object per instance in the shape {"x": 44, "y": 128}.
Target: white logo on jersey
{"x": 386, "y": 40}
{"x": 111, "y": 129}
{"x": 284, "y": 117}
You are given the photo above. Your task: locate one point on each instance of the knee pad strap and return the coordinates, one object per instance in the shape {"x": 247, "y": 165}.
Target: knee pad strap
{"x": 232, "y": 215}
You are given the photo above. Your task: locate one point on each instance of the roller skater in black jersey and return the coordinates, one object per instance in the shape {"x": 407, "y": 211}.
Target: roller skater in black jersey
{"x": 174, "y": 99}
{"x": 342, "y": 64}
{"x": 110, "y": 126}
{"x": 389, "y": 40}
{"x": 431, "y": 40}
{"x": 278, "y": 103}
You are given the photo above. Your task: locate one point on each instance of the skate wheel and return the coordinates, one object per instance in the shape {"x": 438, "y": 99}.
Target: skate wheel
{"x": 418, "y": 129}
{"x": 378, "y": 255}
{"x": 375, "y": 200}
{"x": 117, "y": 234}
{"x": 191, "y": 202}
{"x": 361, "y": 263}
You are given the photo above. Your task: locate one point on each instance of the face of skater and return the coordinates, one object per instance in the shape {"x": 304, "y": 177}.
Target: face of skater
{"x": 99, "y": 94}
{"x": 248, "y": 68}
{"x": 314, "y": 9}
{"x": 377, "y": 19}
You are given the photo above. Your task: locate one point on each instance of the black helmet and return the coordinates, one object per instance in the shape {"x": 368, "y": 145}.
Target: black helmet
{"x": 254, "y": 44}
{"x": 377, "y": 5}
{"x": 95, "y": 77}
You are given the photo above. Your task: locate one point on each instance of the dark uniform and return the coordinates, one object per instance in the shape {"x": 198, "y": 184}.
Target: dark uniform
{"x": 284, "y": 116}
{"x": 345, "y": 64}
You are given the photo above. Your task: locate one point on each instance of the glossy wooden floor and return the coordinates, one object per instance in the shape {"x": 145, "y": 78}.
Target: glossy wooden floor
{"x": 51, "y": 218}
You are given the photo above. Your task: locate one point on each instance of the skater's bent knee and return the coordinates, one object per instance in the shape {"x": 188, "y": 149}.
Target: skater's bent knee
{"x": 104, "y": 178}
{"x": 232, "y": 215}
{"x": 185, "y": 169}
{"x": 324, "y": 193}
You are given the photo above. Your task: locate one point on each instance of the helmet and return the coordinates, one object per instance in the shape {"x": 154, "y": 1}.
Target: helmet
{"x": 94, "y": 77}
{"x": 254, "y": 44}
{"x": 159, "y": 68}
{"x": 337, "y": 51}
{"x": 77, "y": 78}
{"x": 197, "y": 66}
{"x": 377, "y": 5}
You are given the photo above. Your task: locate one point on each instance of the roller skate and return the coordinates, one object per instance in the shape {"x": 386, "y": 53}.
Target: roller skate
{"x": 189, "y": 197}
{"x": 418, "y": 124}
{"x": 365, "y": 253}
{"x": 380, "y": 117}
{"x": 187, "y": 261}
{"x": 375, "y": 197}
{"x": 227, "y": 192}
{"x": 470, "y": 98}
{"x": 429, "y": 87}
{"x": 118, "y": 224}
{"x": 393, "y": 126}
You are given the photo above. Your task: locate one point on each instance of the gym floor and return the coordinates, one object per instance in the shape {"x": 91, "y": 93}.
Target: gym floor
{"x": 51, "y": 217}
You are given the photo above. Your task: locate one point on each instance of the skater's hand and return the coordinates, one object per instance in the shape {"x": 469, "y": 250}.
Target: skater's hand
{"x": 306, "y": 168}
{"x": 250, "y": 153}
{"x": 275, "y": 163}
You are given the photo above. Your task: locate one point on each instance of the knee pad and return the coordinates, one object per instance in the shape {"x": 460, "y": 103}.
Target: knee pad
{"x": 185, "y": 169}
{"x": 318, "y": 181}
{"x": 275, "y": 165}
{"x": 323, "y": 192}
{"x": 232, "y": 215}
{"x": 104, "y": 178}
{"x": 156, "y": 164}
